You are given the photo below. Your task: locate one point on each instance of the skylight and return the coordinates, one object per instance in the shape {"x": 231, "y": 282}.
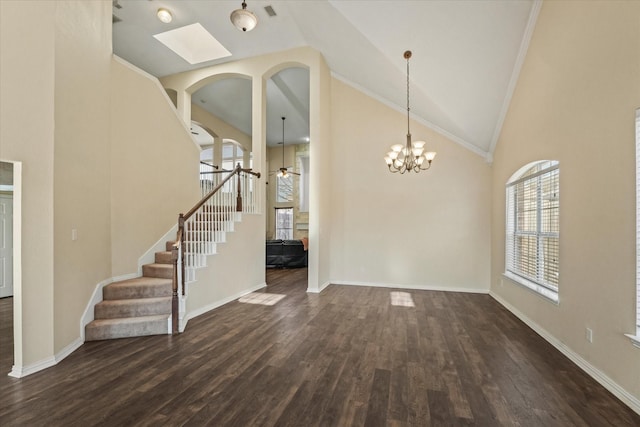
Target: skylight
{"x": 193, "y": 43}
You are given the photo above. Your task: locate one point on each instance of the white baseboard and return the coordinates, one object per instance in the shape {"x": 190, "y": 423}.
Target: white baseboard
{"x": 320, "y": 289}
{"x": 209, "y": 307}
{"x": 96, "y": 297}
{"x": 159, "y": 246}
{"x": 626, "y": 397}
{"x": 18, "y": 371}
{"x": 23, "y": 371}
{"x": 412, "y": 287}
{"x": 69, "y": 349}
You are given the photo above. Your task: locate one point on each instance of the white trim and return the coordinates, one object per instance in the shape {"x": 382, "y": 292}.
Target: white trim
{"x": 635, "y": 339}
{"x": 23, "y": 371}
{"x": 469, "y": 146}
{"x": 319, "y": 289}
{"x": 96, "y": 297}
{"x": 537, "y": 289}
{"x": 442, "y": 288}
{"x": 515, "y": 75}
{"x": 626, "y": 397}
{"x": 149, "y": 257}
{"x": 214, "y": 305}
{"x": 73, "y": 346}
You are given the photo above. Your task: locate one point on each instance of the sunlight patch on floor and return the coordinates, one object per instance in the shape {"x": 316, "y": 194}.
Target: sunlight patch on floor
{"x": 261, "y": 298}
{"x": 402, "y": 299}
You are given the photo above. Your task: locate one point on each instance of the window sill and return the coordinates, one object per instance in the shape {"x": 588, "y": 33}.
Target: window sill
{"x": 537, "y": 289}
{"x": 635, "y": 339}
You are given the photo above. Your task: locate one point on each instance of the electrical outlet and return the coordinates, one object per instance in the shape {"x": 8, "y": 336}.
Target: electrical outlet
{"x": 74, "y": 234}
{"x": 501, "y": 282}
{"x": 589, "y": 335}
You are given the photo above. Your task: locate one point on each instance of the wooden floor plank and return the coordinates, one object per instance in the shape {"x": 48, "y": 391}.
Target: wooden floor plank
{"x": 345, "y": 357}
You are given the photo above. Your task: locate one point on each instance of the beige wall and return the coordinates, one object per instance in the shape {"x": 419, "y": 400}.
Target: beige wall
{"x": 322, "y": 176}
{"x": 68, "y": 170}
{"x": 575, "y": 102}
{"x": 81, "y": 160}
{"x": 228, "y": 275}
{"x": 221, "y": 128}
{"x": 27, "y": 74}
{"x": 155, "y": 165}
{"x": 430, "y": 229}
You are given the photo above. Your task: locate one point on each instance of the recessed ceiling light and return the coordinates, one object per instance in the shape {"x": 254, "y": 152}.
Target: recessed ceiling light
{"x": 193, "y": 43}
{"x": 164, "y": 15}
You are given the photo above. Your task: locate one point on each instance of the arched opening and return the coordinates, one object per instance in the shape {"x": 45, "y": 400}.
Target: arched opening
{"x": 288, "y": 141}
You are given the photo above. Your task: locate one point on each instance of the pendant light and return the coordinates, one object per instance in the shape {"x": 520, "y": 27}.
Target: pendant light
{"x": 244, "y": 19}
{"x": 411, "y": 156}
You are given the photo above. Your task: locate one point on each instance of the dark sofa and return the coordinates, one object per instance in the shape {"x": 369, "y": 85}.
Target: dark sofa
{"x": 286, "y": 253}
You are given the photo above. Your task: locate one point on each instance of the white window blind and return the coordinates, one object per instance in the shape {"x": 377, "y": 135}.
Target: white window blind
{"x": 638, "y": 222}
{"x": 533, "y": 228}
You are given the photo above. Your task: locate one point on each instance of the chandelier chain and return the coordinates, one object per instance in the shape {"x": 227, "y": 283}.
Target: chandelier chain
{"x": 408, "y": 128}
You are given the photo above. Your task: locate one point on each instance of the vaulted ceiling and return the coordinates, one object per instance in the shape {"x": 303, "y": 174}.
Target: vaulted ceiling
{"x": 466, "y": 56}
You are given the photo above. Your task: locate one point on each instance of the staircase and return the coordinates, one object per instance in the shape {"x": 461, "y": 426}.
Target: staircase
{"x": 135, "y": 307}
{"x": 142, "y": 306}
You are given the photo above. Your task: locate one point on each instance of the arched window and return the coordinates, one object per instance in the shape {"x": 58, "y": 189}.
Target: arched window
{"x": 232, "y": 154}
{"x": 532, "y": 247}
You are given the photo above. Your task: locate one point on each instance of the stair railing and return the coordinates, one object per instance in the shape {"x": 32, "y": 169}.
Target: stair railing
{"x": 206, "y": 223}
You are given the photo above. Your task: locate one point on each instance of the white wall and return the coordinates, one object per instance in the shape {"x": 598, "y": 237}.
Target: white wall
{"x": 425, "y": 230}
{"x": 575, "y": 102}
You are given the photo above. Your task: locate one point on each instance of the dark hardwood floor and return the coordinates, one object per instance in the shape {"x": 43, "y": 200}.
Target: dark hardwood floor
{"x": 346, "y": 357}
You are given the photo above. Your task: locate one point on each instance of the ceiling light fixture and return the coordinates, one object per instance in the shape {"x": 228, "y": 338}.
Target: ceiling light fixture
{"x": 244, "y": 19}
{"x": 164, "y": 15}
{"x": 409, "y": 157}
{"x": 283, "y": 172}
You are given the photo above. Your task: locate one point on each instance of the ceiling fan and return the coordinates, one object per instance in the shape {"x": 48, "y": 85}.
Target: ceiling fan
{"x": 283, "y": 172}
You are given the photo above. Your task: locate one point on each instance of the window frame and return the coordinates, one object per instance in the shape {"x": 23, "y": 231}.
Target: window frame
{"x": 277, "y": 234}
{"x": 536, "y": 282}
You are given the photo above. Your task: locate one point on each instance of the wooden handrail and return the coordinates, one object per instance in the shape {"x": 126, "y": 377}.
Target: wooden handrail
{"x": 202, "y": 201}
{"x": 178, "y": 248}
{"x": 209, "y": 164}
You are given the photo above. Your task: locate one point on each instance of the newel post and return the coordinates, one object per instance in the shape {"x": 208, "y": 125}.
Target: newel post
{"x": 174, "y": 291}
{"x": 183, "y": 238}
{"x": 239, "y": 190}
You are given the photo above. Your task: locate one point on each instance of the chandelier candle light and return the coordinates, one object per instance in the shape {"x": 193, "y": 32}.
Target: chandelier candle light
{"x": 409, "y": 157}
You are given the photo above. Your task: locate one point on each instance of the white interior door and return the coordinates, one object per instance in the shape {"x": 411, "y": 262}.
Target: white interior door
{"x": 6, "y": 245}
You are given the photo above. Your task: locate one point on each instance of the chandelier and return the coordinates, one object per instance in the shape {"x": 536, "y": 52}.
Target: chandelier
{"x": 409, "y": 157}
{"x": 244, "y": 19}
